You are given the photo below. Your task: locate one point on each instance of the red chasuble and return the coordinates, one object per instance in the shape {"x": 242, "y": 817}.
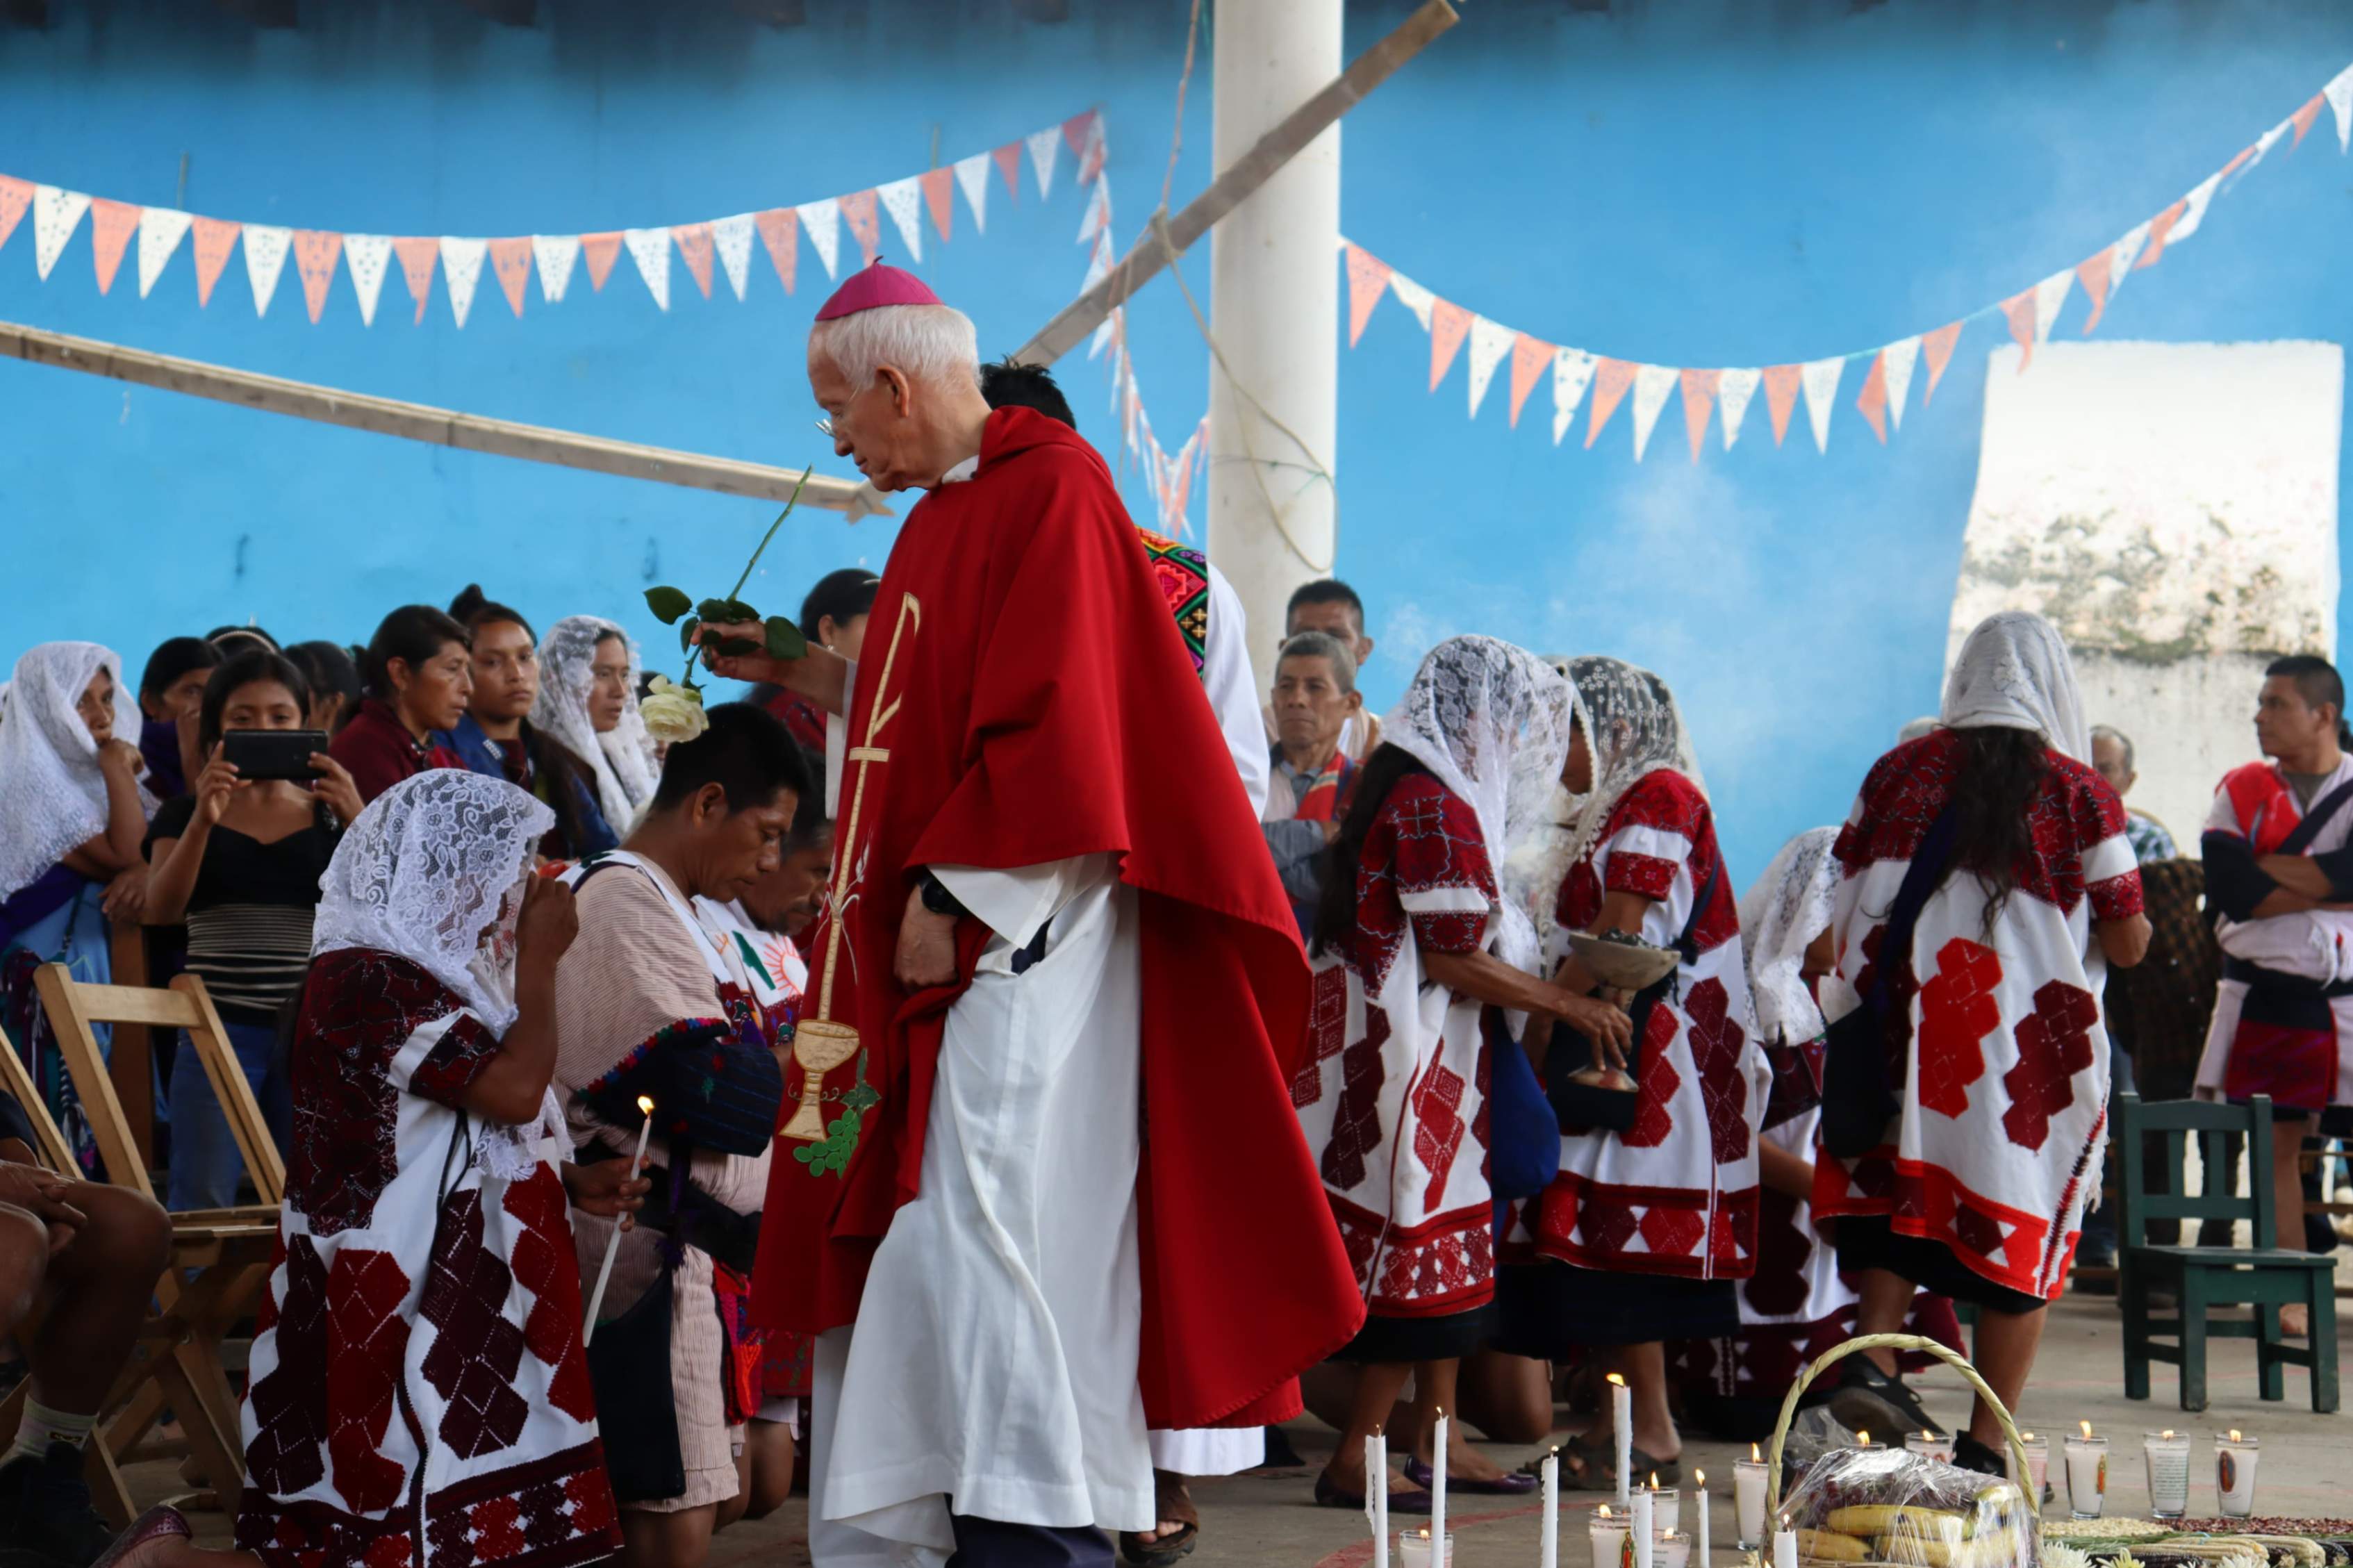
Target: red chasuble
{"x": 1025, "y": 698}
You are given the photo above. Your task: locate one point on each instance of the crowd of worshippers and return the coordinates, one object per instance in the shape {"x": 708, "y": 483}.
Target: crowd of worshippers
{"x": 1579, "y": 1106}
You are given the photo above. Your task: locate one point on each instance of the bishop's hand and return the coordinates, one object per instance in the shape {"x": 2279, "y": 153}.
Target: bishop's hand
{"x": 926, "y": 947}
{"x": 819, "y": 674}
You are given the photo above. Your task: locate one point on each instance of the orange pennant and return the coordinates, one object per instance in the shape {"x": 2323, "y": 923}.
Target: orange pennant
{"x": 417, "y": 256}
{"x": 600, "y": 251}
{"x": 694, "y": 245}
{"x": 1937, "y": 348}
{"x": 2304, "y": 117}
{"x": 510, "y": 260}
{"x": 2159, "y": 227}
{"x": 939, "y": 194}
{"x": 2020, "y": 308}
{"x": 1781, "y": 396}
{"x": 1369, "y": 279}
{"x": 213, "y": 238}
{"x": 1611, "y": 377}
{"x": 1530, "y": 356}
{"x": 2091, "y": 272}
{"x": 780, "y": 232}
{"x": 1873, "y": 400}
{"x": 1008, "y": 163}
{"x": 15, "y": 195}
{"x": 863, "y": 223}
{"x": 315, "y": 254}
{"x": 111, "y": 225}
{"x": 1699, "y": 401}
{"x": 1448, "y": 324}
{"x": 1074, "y": 129}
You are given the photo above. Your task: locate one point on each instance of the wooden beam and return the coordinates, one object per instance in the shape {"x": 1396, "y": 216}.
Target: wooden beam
{"x": 1079, "y": 318}
{"x": 437, "y": 427}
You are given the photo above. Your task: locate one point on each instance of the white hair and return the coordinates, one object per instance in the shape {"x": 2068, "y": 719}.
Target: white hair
{"x": 927, "y": 343}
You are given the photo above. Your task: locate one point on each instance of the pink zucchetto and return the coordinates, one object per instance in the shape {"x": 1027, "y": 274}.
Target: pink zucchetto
{"x": 873, "y": 288}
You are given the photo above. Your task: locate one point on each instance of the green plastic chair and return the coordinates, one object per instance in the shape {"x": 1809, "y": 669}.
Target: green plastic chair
{"x": 2201, "y": 1279}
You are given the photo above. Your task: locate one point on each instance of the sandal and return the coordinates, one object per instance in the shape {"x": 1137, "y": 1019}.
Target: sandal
{"x": 1513, "y": 1485}
{"x": 1328, "y": 1495}
{"x": 1600, "y": 1477}
{"x": 1577, "y": 1457}
{"x": 1170, "y": 1500}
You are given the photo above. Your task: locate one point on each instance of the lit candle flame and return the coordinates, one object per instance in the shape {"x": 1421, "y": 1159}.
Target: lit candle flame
{"x": 2234, "y": 1435}
{"x": 1755, "y": 1454}
{"x": 1862, "y": 1439}
{"x": 2027, "y": 1437}
{"x": 1617, "y": 1380}
{"x": 1605, "y": 1510}
{"x": 2166, "y": 1433}
{"x": 1654, "y": 1480}
{"x": 1699, "y": 1478}
{"x": 2086, "y": 1425}
{"x": 645, "y": 1105}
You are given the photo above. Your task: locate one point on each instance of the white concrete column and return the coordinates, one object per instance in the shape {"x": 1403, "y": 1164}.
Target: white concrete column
{"x": 1275, "y": 305}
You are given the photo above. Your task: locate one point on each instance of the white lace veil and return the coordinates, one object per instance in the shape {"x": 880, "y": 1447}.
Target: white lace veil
{"x": 2014, "y": 672}
{"x": 1634, "y": 729}
{"x": 52, "y": 795}
{"x": 434, "y": 864}
{"x": 1490, "y": 723}
{"x": 1784, "y": 911}
{"x": 622, "y": 758}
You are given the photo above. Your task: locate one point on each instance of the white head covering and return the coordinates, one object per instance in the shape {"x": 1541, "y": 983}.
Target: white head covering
{"x": 1635, "y": 730}
{"x": 1490, "y": 723}
{"x": 431, "y": 863}
{"x": 52, "y": 795}
{"x": 1927, "y": 725}
{"x": 622, "y": 758}
{"x": 1781, "y": 915}
{"x": 2014, "y": 673}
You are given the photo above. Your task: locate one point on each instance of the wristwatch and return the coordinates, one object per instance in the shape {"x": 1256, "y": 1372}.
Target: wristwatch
{"x": 938, "y": 899}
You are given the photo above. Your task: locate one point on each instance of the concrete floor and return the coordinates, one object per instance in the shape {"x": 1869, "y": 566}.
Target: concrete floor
{"x": 1259, "y": 1521}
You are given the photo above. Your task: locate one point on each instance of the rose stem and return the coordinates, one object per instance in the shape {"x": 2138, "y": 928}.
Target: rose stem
{"x": 790, "y": 502}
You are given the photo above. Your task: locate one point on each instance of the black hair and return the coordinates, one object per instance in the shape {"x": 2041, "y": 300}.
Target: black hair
{"x": 331, "y": 670}
{"x": 843, "y": 594}
{"x": 219, "y": 634}
{"x": 1008, "y": 385}
{"x": 746, "y": 750}
{"x": 248, "y": 668}
{"x": 2318, "y": 681}
{"x": 1335, "y": 903}
{"x": 174, "y": 658}
{"x": 1992, "y": 794}
{"x": 412, "y": 634}
{"x": 471, "y": 610}
{"x": 1325, "y": 591}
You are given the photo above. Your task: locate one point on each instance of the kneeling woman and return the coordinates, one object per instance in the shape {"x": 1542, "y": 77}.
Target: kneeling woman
{"x": 1412, "y": 940}
{"x": 418, "y": 1381}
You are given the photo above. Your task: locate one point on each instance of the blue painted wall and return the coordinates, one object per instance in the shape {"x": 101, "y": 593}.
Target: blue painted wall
{"x": 1742, "y": 182}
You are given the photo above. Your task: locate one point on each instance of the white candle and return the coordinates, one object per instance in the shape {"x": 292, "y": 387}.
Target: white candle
{"x": 1674, "y": 1550}
{"x": 1748, "y": 1500}
{"x": 2087, "y": 1474}
{"x": 2166, "y": 1455}
{"x": 2037, "y": 1464}
{"x": 1414, "y": 1549}
{"x": 1929, "y": 1446}
{"x": 1666, "y": 1505}
{"x": 1376, "y": 1495}
{"x": 1785, "y": 1549}
{"x": 1548, "y": 1553}
{"x": 613, "y": 1242}
{"x": 1607, "y": 1531}
{"x": 1437, "y": 1484}
{"x": 1642, "y": 1528}
{"x": 1699, "y": 1478}
{"x": 1621, "y": 1422}
{"x": 2234, "y": 1473}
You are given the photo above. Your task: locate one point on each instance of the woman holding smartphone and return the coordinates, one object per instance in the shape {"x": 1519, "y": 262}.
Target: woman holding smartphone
{"x": 239, "y": 860}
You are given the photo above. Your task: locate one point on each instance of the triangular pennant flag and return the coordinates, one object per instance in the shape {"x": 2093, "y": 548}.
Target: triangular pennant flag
{"x": 554, "y": 254}
{"x": 264, "y": 259}
{"x": 56, "y": 214}
{"x": 1699, "y": 394}
{"x": 2304, "y": 117}
{"x": 600, "y": 251}
{"x": 779, "y": 230}
{"x": 1098, "y": 213}
{"x": 903, "y": 200}
{"x": 1529, "y": 357}
{"x": 733, "y": 238}
{"x": 1652, "y": 385}
{"x": 1732, "y": 395}
{"x": 215, "y": 237}
{"x": 2093, "y": 273}
{"x": 1900, "y": 355}
{"x": 1045, "y": 146}
{"x": 1822, "y": 380}
{"x": 511, "y": 264}
{"x": 1490, "y": 341}
{"x": 2264, "y": 142}
{"x": 650, "y": 248}
{"x": 939, "y": 198}
{"x": 1781, "y": 396}
{"x": 1872, "y": 402}
{"x": 1414, "y": 298}
{"x": 1449, "y": 324}
{"x": 2122, "y": 254}
{"x": 860, "y": 210}
{"x": 111, "y": 225}
{"x": 15, "y": 196}
{"x": 316, "y": 254}
{"x": 418, "y": 258}
{"x": 1572, "y": 373}
{"x": 694, "y": 245}
{"x": 462, "y": 272}
{"x": 1008, "y": 163}
{"x": 2193, "y": 209}
{"x": 821, "y": 221}
{"x": 1938, "y": 348}
{"x": 1092, "y": 156}
{"x": 2018, "y": 308}
{"x": 160, "y": 230}
{"x": 1369, "y": 279}
{"x": 1611, "y": 377}
{"x": 2050, "y": 295}
{"x": 366, "y": 255}
{"x": 2339, "y": 94}
{"x": 1077, "y": 129}
{"x": 971, "y": 176}
{"x": 2159, "y": 227}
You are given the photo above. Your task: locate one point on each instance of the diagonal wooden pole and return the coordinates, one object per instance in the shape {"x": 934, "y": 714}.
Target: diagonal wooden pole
{"x": 439, "y": 426}
{"x": 1290, "y": 136}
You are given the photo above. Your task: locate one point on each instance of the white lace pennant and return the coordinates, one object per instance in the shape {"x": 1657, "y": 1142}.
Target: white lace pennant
{"x": 160, "y": 229}
{"x": 2050, "y": 295}
{"x": 1045, "y": 147}
{"x": 462, "y": 272}
{"x": 650, "y": 248}
{"x": 903, "y": 200}
{"x": 1572, "y": 373}
{"x": 56, "y": 214}
{"x": 1490, "y": 341}
{"x": 2193, "y": 211}
{"x": 821, "y": 221}
{"x": 1899, "y": 357}
{"x": 732, "y": 238}
{"x": 1652, "y": 383}
{"x": 554, "y": 254}
{"x": 1820, "y": 379}
{"x": 972, "y": 177}
{"x": 1733, "y": 391}
{"x": 2339, "y": 93}
{"x": 1413, "y": 297}
{"x": 264, "y": 259}
{"x": 367, "y": 256}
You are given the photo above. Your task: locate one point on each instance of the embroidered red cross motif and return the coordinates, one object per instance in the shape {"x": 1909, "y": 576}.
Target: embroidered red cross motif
{"x": 290, "y": 1403}
{"x": 1357, "y": 1123}
{"x": 1655, "y": 1085}
{"x": 1715, "y": 1042}
{"x": 1957, "y": 1011}
{"x": 2054, "y": 1043}
{"x": 1438, "y": 1131}
{"x": 1607, "y": 1223}
{"x": 366, "y": 1340}
{"x": 474, "y": 1356}
{"x": 546, "y": 1265}
{"x": 1327, "y": 1025}
{"x": 1671, "y": 1232}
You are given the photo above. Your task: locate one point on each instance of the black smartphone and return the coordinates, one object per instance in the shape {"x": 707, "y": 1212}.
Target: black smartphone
{"x": 273, "y": 754}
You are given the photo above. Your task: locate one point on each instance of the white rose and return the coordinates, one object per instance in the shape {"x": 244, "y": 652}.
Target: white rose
{"x": 673, "y": 714}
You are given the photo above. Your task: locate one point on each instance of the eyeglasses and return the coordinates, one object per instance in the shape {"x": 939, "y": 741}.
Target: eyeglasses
{"x": 825, "y": 428}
